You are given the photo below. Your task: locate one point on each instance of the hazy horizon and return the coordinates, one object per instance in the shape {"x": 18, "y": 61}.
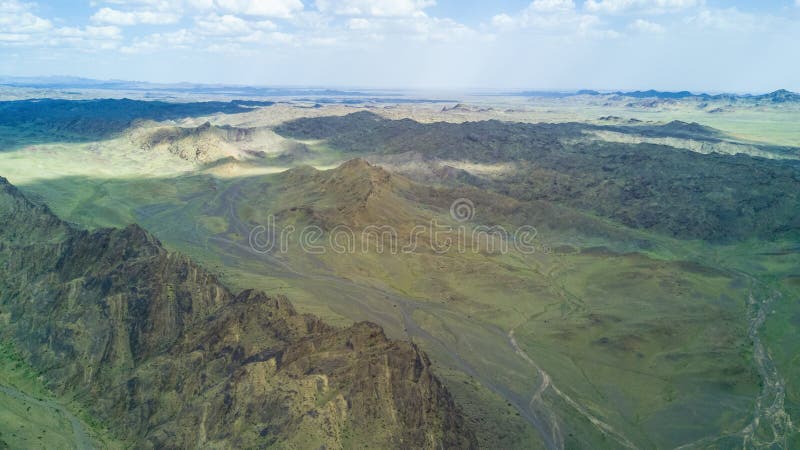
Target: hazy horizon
{"x": 69, "y": 81}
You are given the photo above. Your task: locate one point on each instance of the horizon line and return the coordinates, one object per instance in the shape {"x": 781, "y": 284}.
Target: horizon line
{"x": 41, "y": 82}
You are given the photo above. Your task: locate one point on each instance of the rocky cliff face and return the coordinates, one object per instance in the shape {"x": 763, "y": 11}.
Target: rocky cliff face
{"x": 168, "y": 357}
{"x": 205, "y": 143}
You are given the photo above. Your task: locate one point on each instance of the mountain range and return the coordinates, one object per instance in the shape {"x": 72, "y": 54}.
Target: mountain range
{"x": 327, "y": 94}
{"x": 778, "y": 96}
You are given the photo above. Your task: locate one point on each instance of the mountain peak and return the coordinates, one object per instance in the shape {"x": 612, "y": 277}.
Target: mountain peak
{"x": 356, "y": 193}
{"x": 782, "y": 96}
{"x": 355, "y": 164}
{"x": 7, "y": 187}
{"x": 358, "y": 175}
{"x": 25, "y": 220}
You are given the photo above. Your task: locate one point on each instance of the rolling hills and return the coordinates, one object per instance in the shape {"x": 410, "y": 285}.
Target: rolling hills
{"x": 643, "y": 185}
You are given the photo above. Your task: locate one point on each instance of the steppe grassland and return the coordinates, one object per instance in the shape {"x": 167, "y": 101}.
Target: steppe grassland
{"x": 546, "y": 299}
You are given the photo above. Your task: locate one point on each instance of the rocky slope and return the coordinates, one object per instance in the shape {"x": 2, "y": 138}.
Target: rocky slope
{"x": 204, "y": 143}
{"x": 355, "y": 194}
{"x": 168, "y": 357}
{"x": 359, "y": 196}
{"x": 660, "y": 188}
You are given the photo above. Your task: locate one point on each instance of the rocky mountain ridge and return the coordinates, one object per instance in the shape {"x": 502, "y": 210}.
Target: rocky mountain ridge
{"x": 167, "y": 356}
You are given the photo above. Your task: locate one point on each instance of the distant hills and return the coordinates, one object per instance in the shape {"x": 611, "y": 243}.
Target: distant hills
{"x": 67, "y": 82}
{"x": 62, "y": 82}
{"x": 318, "y": 95}
{"x": 779, "y": 96}
{"x": 55, "y": 119}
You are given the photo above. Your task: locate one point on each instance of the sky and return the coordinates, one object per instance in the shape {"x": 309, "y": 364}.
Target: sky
{"x": 697, "y": 45}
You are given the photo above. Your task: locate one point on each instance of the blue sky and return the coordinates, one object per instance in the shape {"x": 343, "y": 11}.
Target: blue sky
{"x": 701, "y": 45}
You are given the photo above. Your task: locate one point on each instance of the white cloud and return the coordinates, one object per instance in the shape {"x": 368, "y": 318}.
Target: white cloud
{"x": 359, "y": 23}
{"x": 264, "y": 38}
{"x": 376, "y": 8}
{"x": 14, "y": 38}
{"x": 420, "y": 28}
{"x": 558, "y": 18}
{"x": 649, "y": 6}
{"x": 200, "y": 4}
{"x": 731, "y": 19}
{"x": 323, "y": 41}
{"x": 247, "y": 45}
{"x": 503, "y": 21}
{"x": 222, "y": 25}
{"x": 552, "y": 6}
{"x": 229, "y": 25}
{"x": 364, "y": 23}
{"x": 215, "y": 33}
{"x": 128, "y": 18}
{"x": 16, "y": 19}
{"x": 179, "y": 39}
{"x": 12, "y": 6}
{"x": 86, "y": 38}
{"x": 132, "y": 12}
{"x": 265, "y": 8}
{"x": 173, "y": 6}
{"x": 151, "y": 3}
{"x": 434, "y": 29}
{"x": 90, "y": 32}
{"x": 645, "y": 26}
{"x": 19, "y": 26}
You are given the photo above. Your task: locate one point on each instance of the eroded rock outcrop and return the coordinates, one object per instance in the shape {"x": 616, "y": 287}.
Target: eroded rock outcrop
{"x": 167, "y": 356}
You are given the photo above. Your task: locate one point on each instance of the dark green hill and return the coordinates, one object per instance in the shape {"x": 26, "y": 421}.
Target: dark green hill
{"x": 674, "y": 191}
{"x": 54, "y": 120}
